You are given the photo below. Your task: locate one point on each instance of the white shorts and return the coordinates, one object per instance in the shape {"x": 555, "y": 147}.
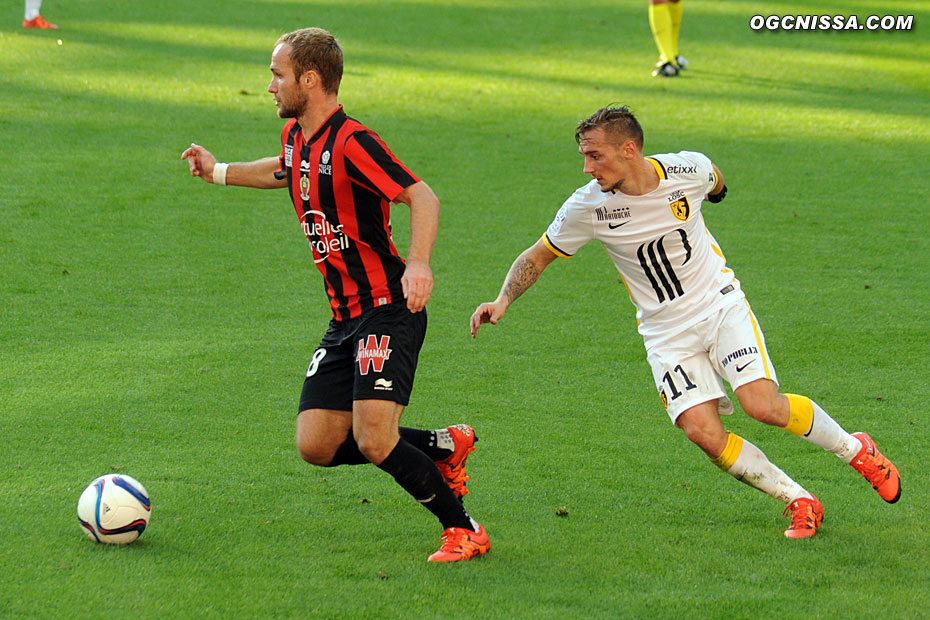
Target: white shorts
{"x": 689, "y": 369}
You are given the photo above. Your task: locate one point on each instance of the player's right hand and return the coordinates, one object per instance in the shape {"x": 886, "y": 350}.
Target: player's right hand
{"x": 201, "y": 162}
{"x": 490, "y": 312}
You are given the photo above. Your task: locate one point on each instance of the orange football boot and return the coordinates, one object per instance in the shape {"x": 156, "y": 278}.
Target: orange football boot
{"x": 39, "y": 22}
{"x": 459, "y": 544}
{"x": 878, "y": 470}
{"x": 452, "y": 467}
{"x": 806, "y": 515}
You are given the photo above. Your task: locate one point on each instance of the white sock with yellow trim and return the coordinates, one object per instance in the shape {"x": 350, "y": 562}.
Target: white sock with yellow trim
{"x": 806, "y": 419}
{"x": 749, "y": 465}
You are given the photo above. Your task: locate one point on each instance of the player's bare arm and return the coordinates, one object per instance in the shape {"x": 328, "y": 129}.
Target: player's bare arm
{"x": 522, "y": 275}
{"x": 417, "y": 280}
{"x": 258, "y": 173}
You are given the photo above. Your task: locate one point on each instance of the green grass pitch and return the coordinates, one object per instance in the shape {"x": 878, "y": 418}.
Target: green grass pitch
{"x": 157, "y": 326}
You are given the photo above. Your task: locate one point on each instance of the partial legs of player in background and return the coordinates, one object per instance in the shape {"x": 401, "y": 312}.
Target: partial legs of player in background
{"x": 799, "y": 415}
{"x": 32, "y": 19}
{"x": 665, "y": 21}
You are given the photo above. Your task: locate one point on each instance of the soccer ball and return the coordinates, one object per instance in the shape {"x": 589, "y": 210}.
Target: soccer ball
{"x": 114, "y": 509}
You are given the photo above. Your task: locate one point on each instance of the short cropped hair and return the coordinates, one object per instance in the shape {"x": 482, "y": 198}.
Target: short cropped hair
{"x": 617, "y": 122}
{"x": 315, "y": 49}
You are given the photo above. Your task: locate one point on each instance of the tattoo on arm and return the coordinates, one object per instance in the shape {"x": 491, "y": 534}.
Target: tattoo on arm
{"x": 523, "y": 273}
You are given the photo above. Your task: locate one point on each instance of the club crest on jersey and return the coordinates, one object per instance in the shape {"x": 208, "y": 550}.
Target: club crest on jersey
{"x": 372, "y": 353}
{"x": 304, "y": 188}
{"x": 304, "y": 180}
{"x": 680, "y": 206}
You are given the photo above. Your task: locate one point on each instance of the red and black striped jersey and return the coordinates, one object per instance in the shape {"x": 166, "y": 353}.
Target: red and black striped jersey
{"x": 342, "y": 181}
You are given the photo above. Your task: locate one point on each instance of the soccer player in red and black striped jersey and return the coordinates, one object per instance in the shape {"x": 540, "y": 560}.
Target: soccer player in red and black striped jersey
{"x": 342, "y": 180}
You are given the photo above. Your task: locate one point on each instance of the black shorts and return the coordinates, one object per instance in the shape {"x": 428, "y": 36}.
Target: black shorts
{"x": 373, "y": 356}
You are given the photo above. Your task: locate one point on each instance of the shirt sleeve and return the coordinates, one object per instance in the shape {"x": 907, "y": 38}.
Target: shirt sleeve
{"x": 572, "y": 226}
{"x": 704, "y": 169}
{"x": 371, "y": 163}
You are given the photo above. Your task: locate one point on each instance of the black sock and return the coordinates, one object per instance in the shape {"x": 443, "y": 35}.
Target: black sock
{"x": 417, "y": 474}
{"x": 425, "y": 442}
{"x": 348, "y": 453}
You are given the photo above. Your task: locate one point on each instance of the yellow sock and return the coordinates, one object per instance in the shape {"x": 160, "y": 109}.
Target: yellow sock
{"x": 808, "y": 420}
{"x": 800, "y": 414}
{"x": 730, "y": 452}
{"x": 674, "y": 11}
{"x": 660, "y": 21}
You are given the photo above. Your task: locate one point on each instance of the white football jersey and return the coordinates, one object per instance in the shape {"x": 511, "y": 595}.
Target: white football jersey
{"x": 673, "y": 268}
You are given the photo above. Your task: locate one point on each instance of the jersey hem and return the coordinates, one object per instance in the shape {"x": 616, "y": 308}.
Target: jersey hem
{"x": 652, "y": 339}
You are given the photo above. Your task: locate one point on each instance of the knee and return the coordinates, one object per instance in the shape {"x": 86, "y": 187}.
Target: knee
{"x": 374, "y": 447}
{"x": 768, "y": 410}
{"x": 696, "y": 435}
{"x": 762, "y": 401}
{"x": 702, "y": 427}
{"x": 710, "y": 440}
{"x": 314, "y": 454}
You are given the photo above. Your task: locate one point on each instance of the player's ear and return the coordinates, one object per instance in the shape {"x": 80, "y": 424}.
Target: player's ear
{"x": 310, "y": 79}
{"x": 628, "y": 149}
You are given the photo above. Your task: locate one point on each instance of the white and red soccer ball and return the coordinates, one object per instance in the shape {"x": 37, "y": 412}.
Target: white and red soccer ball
{"x": 114, "y": 509}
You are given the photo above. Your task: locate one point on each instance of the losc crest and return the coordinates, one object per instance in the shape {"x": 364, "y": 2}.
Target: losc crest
{"x": 680, "y": 206}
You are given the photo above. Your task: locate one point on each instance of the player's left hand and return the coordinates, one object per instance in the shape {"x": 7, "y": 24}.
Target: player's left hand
{"x": 201, "y": 162}
{"x": 418, "y": 285}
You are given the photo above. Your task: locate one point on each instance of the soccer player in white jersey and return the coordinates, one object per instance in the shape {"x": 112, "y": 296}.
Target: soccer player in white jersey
{"x": 696, "y": 324}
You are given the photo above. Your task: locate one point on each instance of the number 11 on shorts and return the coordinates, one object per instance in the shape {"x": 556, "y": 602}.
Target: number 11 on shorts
{"x": 667, "y": 378}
